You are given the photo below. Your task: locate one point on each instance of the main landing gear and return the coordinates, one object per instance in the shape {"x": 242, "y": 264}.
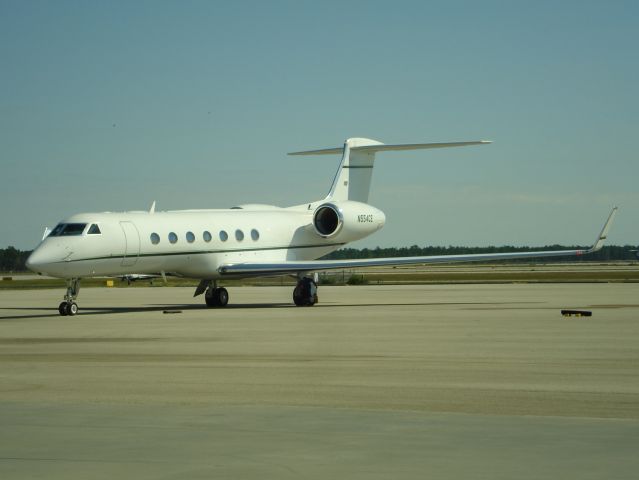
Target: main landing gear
{"x": 213, "y": 295}
{"x": 68, "y": 306}
{"x": 305, "y": 292}
{"x": 216, "y": 297}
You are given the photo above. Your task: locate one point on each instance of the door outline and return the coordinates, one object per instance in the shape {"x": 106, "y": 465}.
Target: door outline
{"x": 131, "y": 244}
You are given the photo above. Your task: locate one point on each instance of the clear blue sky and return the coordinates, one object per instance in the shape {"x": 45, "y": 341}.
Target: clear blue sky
{"x": 111, "y": 105}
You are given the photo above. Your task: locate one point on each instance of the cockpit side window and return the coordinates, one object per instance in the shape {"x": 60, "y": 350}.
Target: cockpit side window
{"x": 56, "y": 231}
{"x": 94, "y": 230}
{"x": 71, "y": 229}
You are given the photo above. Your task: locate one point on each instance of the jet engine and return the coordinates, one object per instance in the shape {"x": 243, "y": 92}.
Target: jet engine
{"x": 347, "y": 220}
{"x": 327, "y": 220}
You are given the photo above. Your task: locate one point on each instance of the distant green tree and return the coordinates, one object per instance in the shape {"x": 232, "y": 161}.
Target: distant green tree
{"x": 13, "y": 260}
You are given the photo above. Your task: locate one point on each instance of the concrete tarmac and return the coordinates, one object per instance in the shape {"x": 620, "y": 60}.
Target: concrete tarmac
{"x": 481, "y": 381}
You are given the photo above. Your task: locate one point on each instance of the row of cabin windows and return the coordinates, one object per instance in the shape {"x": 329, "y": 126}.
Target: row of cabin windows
{"x": 190, "y": 236}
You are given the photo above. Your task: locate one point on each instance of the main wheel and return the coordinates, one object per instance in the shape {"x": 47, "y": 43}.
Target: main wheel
{"x": 218, "y": 297}
{"x": 222, "y": 296}
{"x": 210, "y": 300}
{"x": 305, "y": 293}
{"x": 63, "y": 309}
{"x": 297, "y": 296}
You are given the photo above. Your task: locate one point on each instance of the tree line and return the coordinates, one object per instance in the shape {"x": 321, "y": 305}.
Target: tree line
{"x": 13, "y": 260}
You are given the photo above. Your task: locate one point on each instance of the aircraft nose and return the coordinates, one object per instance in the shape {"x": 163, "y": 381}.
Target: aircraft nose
{"x": 43, "y": 260}
{"x": 35, "y": 260}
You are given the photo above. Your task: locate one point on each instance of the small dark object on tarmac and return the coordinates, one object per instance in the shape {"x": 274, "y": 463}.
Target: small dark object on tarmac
{"x": 172, "y": 311}
{"x": 576, "y": 313}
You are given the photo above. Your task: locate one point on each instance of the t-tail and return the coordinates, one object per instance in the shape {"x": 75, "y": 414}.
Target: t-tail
{"x": 353, "y": 178}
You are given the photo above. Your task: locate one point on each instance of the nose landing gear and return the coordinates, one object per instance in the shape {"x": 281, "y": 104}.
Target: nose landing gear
{"x": 68, "y": 306}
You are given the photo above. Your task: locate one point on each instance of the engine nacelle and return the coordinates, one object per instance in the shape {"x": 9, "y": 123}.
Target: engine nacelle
{"x": 328, "y": 220}
{"x": 347, "y": 220}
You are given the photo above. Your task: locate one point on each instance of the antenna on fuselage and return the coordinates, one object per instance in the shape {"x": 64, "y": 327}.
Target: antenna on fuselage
{"x": 152, "y": 209}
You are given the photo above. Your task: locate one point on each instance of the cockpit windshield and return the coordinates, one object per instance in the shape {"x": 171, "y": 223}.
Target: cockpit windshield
{"x": 56, "y": 231}
{"x": 68, "y": 229}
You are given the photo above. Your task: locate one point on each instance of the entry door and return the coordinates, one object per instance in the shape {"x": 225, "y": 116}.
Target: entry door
{"x": 132, "y": 248}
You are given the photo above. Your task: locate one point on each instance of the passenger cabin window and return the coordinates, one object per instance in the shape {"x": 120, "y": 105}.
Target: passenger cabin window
{"x": 68, "y": 230}
{"x": 224, "y": 236}
{"x": 155, "y": 238}
{"x": 239, "y": 235}
{"x": 172, "y": 237}
{"x": 207, "y": 236}
{"x": 255, "y": 235}
{"x": 94, "y": 230}
{"x": 190, "y": 237}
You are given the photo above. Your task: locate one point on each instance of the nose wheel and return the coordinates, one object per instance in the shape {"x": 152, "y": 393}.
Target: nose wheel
{"x": 68, "y": 306}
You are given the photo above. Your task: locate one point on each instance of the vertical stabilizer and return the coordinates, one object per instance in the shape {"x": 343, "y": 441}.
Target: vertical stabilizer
{"x": 353, "y": 178}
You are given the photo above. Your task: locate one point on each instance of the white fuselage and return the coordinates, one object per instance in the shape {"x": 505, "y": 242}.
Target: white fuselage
{"x": 140, "y": 242}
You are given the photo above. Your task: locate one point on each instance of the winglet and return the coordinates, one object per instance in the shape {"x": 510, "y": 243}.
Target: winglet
{"x": 604, "y": 233}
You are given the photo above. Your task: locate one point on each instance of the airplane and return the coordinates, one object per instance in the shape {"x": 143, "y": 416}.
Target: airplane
{"x": 250, "y": 240}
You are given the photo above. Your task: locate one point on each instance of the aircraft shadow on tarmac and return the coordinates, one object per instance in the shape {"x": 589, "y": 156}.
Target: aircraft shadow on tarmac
{"x": 189, "y": 307}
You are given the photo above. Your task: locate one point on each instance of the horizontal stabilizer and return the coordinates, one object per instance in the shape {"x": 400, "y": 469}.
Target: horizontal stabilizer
{"x": 325, "y": 151}
{"x": 387, "y": 148}
{"x": 353, "y": 178}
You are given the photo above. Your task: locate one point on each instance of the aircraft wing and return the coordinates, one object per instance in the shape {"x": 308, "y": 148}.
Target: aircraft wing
{"x": 275, "y": 268}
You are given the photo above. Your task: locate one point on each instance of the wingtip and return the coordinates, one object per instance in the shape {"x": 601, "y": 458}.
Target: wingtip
{"x": 603, "y": 236}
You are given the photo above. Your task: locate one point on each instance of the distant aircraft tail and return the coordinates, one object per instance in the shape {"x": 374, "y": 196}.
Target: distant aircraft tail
{"x": 353, "y": 178}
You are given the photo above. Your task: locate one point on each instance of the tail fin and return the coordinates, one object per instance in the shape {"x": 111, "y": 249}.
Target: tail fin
{"x": 353, "y": 178}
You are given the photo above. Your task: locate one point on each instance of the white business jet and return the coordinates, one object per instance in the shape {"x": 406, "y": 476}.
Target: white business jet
{"x": 245, "y": 241}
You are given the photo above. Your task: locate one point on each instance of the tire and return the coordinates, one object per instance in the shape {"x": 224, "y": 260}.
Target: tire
{"x": 63, "y": 309}
{"x": 210, "y": 300}
{"x": 304, "y": 294}
{"x": 71, "y": 308}
{"x": 219, "y": 297}
{"x": 222, "y": 297}
{"x": 297, "y": 296}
